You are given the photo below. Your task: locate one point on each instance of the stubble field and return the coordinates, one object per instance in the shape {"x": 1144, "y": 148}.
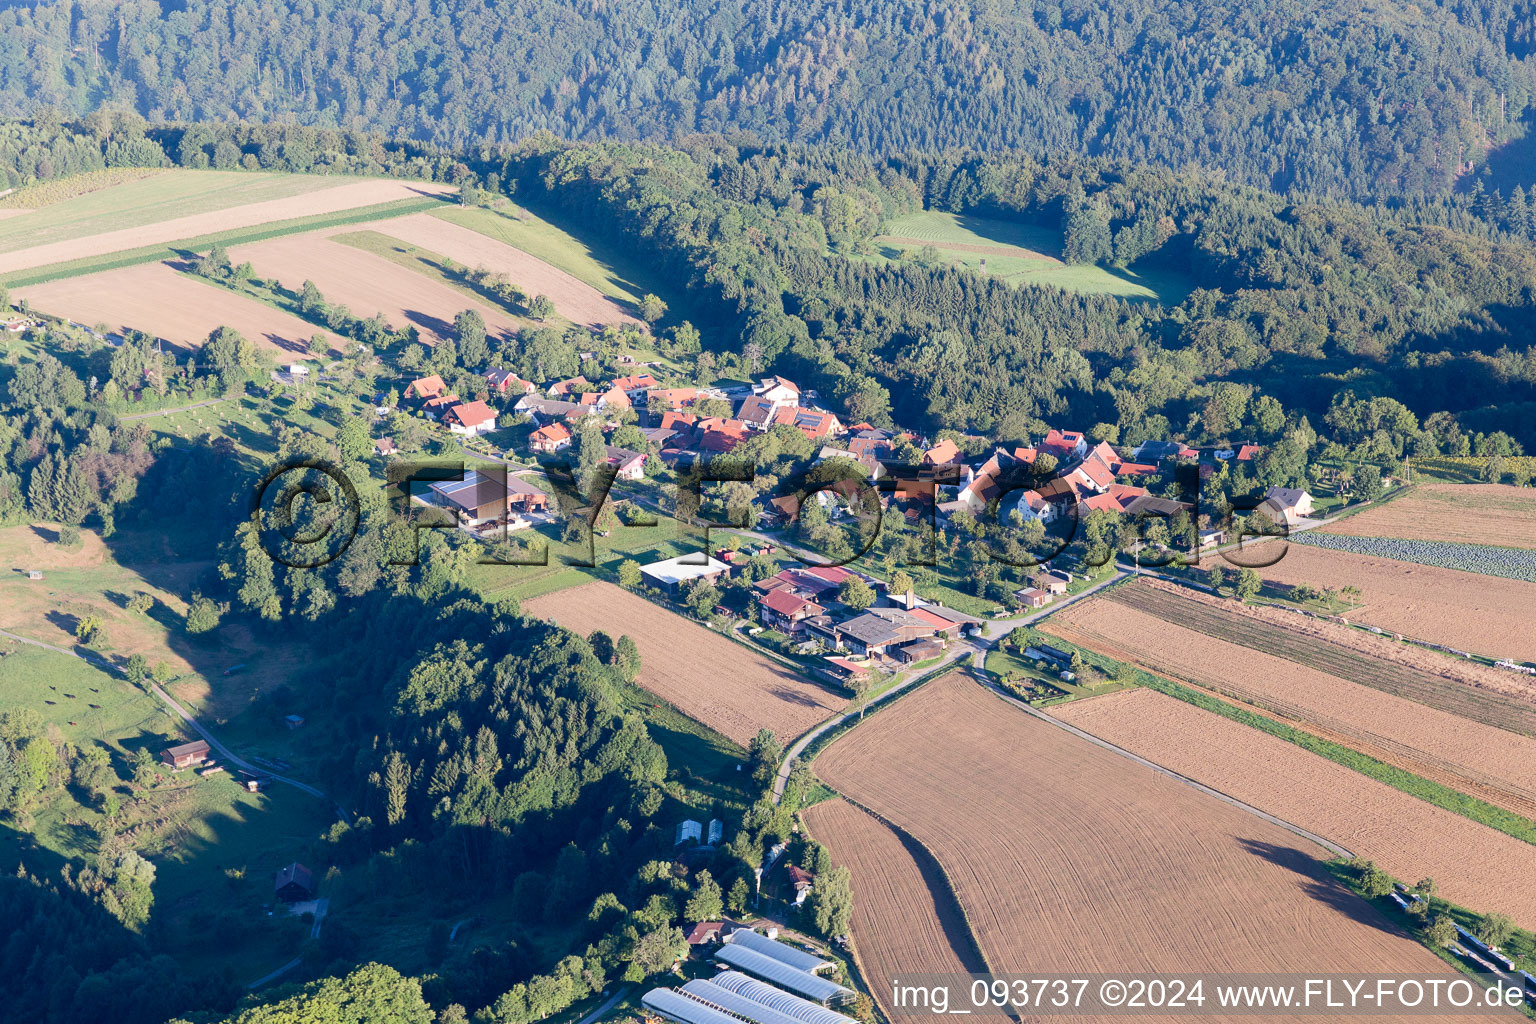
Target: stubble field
{"x": 1475, "y": 865}
{"x": 1491, "y": 763}
{"x": 714, "y": 680}
{"x": 576, "y": 300}
{"x": 1486, "y": 615}
{"x": 165, "y": 303}
{"x": 905, "y": 919}
{"x": 1067, "y": 857}
{"x": 368, "y": 284}
{"x": 1466, "y": 513}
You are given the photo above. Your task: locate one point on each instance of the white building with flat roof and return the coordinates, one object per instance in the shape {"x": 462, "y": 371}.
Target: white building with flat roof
{"x": 671, "y": 574}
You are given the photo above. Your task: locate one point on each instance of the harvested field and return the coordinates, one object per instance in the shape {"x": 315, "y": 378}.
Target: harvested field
{"x": 1468, "y": 513}
{"x": 368, "y": 284}
{"x": 575, "y": 300}
{"x": 1407, "y": 837}
{"x": 717, "y": 681}
{"x": 1487, "y": 615}
{"x": 905, "y": 919}
{"x": 1067, "y": 857}
{"x": 155, "y": 299}
{"x": 332, "y": 196}
{"x": 1469, "y": 689}
{"x": 1483, "y": 761}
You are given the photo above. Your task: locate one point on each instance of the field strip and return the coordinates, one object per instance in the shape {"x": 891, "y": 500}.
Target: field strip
{"x": 1066, "y": 856}
{"x": 345, "y": 195}
{"x": 905, "y": 916}
{"x": 980, "y": 250}
{"x": 1494, "y": 764}
{"x": 706, "y": 676}
{"x": 1467, "y": 689}
{"x": 202, "y": 243}
{"x": 1326, "y": 843}
{"x": 1494, "y": 514}
{"x": 1407, "y": 838}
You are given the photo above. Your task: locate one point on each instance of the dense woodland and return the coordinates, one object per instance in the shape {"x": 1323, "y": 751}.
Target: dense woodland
{"x": 1329, "y": 97}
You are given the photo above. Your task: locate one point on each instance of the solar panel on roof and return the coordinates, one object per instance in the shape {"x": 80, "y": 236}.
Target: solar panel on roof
{"x": 796, "y": 958}
{"x": 761, "y": 992}
{"x": 781, "y": 974}
{"x": 680, "y": 1008}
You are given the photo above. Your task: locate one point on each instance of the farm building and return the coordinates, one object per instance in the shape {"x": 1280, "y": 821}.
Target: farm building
{"x": 775, "y": 970}
{"x": 295, "y": 884}
{"x": 671, "y": 574}
{"x": 802, "y": 880}
{"x": 919, "y": 650}
{"x": 705, "y": 932}
{"x": 385, "y": 446}
{"x": 186, "y": 755}
{"x": 783, "y": 610}
{"x": 487, "y": 495}
{"x": 801, "y": 1010}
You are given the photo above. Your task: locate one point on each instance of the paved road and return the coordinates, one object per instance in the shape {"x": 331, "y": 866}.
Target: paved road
{"x": 962, "y": 649}
{"x": 290, "y": 965}
{"x": 92, "y": 658}
{"x": 170, "y": 412}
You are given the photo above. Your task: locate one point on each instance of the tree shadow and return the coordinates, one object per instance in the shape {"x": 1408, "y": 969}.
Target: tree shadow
{"x": 1320, "y": 883}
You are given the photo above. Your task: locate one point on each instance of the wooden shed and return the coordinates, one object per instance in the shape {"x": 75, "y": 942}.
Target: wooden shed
{"x": 186, "y": 755}
{"x": 295, "y": 884}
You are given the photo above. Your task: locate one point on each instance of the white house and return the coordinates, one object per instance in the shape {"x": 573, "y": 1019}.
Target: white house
{"x": 1287, "y": 504}
{"x": 470, "y": 418}
{"x": 779, "y": 390}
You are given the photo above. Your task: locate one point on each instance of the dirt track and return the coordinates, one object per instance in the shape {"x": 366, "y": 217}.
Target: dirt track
{"x": 1406, "y": 836}
{"x": 348, "y": 194}
{"x": 717, "y": 681}
{"x": 1066, "y": 857}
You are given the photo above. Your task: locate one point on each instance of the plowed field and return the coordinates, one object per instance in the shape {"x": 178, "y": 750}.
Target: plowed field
{"x": 1469, "y": 513}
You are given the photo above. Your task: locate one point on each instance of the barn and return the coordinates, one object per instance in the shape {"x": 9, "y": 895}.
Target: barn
{"x": 295, "y": 884}
{"x": 186, "y": 755}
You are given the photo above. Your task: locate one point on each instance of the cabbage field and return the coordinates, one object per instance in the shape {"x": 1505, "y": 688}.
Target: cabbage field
{"x": 1487, "y": 559}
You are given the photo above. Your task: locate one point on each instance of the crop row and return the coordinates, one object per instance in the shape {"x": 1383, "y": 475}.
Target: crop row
{"x": 1487, "y": 559}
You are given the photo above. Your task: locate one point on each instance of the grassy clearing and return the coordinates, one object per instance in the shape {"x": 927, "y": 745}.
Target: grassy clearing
{"x": 99, "y": 205}
{"x": 188, "y": 246}
{"x": 561, "y": 250}
{"x": 1021, "y": 253}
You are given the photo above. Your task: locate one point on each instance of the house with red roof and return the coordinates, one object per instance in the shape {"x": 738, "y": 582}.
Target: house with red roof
{"x": 721, "y": 435}
{"x": 505, "y": 382}
{"x": 634, "y": 384}
{"x": 663, "y": 399}
{"x": 470, "y": 418}
{"x": 945, "y": 453}
{"x": 778, "y": 390}
{"x": 1065, "y": 444}
{"x": 561, "y": 388}
{"x": 425, "y": 387}
{"x": 613, "y": 398}
{"x": 813, "y": 423}
{"x": 550, "y": 438}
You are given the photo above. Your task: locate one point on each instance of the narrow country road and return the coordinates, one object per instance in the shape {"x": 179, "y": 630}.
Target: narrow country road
{"x": 961, "y": 650}
{"x": 170, "y": 702}
{"x": 620, "y": 993}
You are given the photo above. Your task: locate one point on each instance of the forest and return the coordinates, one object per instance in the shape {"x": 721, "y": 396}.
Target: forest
{"x": 1328, "y": 98}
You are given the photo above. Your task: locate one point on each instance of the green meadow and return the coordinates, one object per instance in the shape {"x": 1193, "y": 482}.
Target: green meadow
{"x": 1020, "y": 254}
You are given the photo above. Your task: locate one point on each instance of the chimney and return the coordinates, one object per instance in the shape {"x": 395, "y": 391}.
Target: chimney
{"x": 909, "y": 600}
